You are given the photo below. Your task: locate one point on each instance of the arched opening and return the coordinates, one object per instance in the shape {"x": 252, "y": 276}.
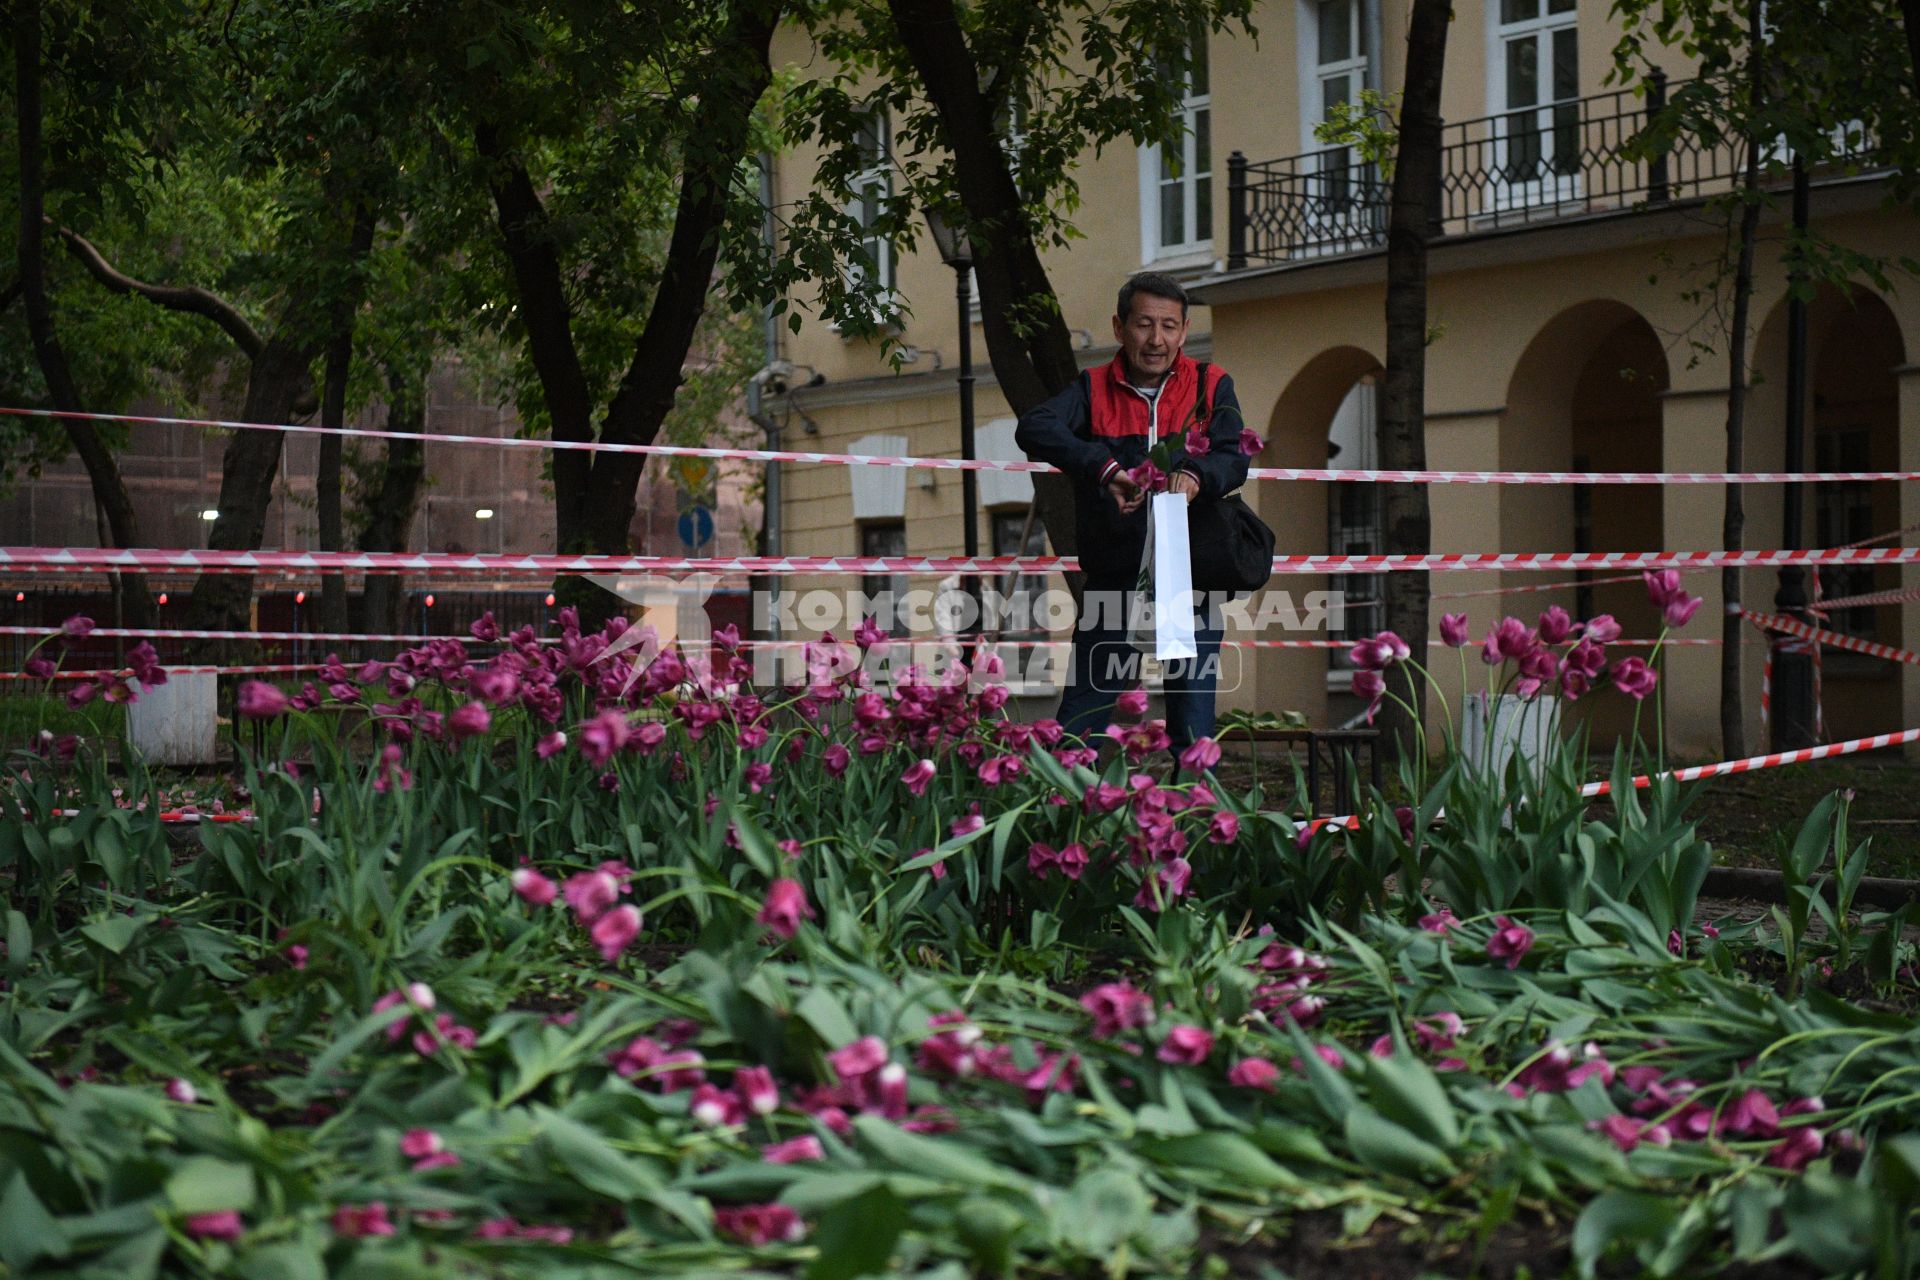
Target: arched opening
{"x": 1585, "y": 396}
{"x": 1853, "y": 424}
{"x": 1327, "y": 416}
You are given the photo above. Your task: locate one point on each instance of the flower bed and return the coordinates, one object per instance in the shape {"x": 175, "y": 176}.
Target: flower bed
{"x": 575, "y": 960}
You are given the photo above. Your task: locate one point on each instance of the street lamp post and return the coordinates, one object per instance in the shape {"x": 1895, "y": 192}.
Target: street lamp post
{"x": 957, "y": 252}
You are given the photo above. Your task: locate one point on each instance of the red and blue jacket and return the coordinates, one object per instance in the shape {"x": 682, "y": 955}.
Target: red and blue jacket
{"x": 1102, "y": 424}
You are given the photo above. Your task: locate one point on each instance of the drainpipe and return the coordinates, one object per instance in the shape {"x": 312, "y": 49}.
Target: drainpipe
{"x": 770, "y": 515}
{"x": 1370, "y": 39}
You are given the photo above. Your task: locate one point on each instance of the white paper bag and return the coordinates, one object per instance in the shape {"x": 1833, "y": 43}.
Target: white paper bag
{"x": 1173, "y": 624}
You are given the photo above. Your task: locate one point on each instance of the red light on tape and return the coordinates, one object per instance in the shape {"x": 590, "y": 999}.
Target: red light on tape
{"x": 429, "y": 600}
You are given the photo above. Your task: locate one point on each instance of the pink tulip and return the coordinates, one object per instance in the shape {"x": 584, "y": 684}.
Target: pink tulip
{"x": 1201, "y": 756}
{"x": 1555, "y": 625}
{"x": 1132, "y": 704}
{"x": 1368, "y": 683}
{"x": 550, "y": 745}
{"x": 182, "y": 1092}
{"x": 786, "y": 906}
{"x": 760, "y": 1224}
{"x": 1509, "y": 942}
{"x": 1680, "y": 610}
{"x": 1186, "y": 1045}
{"x": 1197, "y": 443}
{"x": 1633, "y": 677}
{"x": 533, "y": 887}
{"x": 1378, "y": 652}
{"x": 757, "y": 1090}
{"x": 1253, "y": 1073}
{"x": 1250, "y": 444}
{"x": 603, "y": 735}
{"x": 918, "y": 775}
{"x": 861, "y": 1058}
{"x": 258, "y": 700}
{"x": 357, "y": 1221}
{"x": 1223, "y": 828}
{"x": 223, "y": 1224}
{"x": 798, "y": 1150}
{"x": 615, "y": 931}
{"x": 1116, "y": 1007}
{"x": 591, "y": 893}
{"x": 1602, "y": 629}
{"x": 418, "y": 1144}
{"x": 1453, "y": 630}
{"x": 836, "y": 760}
{"x": 1797, "y": 1150}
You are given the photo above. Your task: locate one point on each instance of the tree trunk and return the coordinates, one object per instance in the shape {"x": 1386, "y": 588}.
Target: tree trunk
{"x": 390, "y": 509}
{"x": 333, "y": 414}
{"x": 1007, "y": 269}
{"x": 737, "y": 75}
{"x": 1733, "y": 726}
{"x": 103, "y": 472}
{"x": 595, "y": 498}
{"x": 1403, "y": 429}
{"x": 279, "y": 379}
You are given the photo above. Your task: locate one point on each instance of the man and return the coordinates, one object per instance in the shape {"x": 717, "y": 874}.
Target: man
{"x": 1098, "y": 430}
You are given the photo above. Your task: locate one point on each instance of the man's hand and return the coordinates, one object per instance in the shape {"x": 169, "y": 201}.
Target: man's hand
{"x": 1184, "y": 482}
{"x": 1127, "y": 496}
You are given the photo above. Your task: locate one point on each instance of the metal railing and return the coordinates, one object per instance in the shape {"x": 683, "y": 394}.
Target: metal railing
{"x": 1554, "y": 161}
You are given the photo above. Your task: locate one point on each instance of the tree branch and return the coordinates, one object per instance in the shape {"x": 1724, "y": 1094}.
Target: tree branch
{"x": 188, "y": 298}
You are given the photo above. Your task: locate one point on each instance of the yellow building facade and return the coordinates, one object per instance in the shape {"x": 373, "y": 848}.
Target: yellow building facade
{"x": 1569, "y": 335}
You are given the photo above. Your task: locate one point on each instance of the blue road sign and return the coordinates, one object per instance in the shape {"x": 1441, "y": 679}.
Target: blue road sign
{"x": 696, "y": 527}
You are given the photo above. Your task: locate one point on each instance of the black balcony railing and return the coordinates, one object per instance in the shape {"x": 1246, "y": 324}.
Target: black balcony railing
{"x": 1553, "y": 161}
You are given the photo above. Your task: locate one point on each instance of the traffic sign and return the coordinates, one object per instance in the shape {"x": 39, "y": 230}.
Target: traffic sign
{"x": 696, "y": 526}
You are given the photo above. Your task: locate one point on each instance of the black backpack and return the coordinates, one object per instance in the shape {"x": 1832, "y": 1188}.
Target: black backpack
{"x": 1232, "y": 548}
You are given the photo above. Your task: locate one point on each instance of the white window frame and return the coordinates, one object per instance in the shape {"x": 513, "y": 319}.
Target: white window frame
{"x": 1197, "y": 248}
{"x": 877, "y": 180}
{"x": 1550, "y": 187}
{"x": 1313, "y": 74}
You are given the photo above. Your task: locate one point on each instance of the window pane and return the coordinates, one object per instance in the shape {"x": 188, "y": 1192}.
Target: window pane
{"x": 1333, "y": 91}
{"x": 1173, "y": 213}
{"x": 1197, "y": 82}
{"x": 1202, "y": 142}
{"x": 1559, "y": 6}
{"x": 1519, "y": 10}
{"x": 1566, "y": 64}
{"x": 1523, "y": 72}
{"x": 1170, "y": 162}
{"x": 1566, "y": 138}
{"x": 1523, "y": 147}
{"x": 1336, "y": 30}
{"x": 1203, "y": 209}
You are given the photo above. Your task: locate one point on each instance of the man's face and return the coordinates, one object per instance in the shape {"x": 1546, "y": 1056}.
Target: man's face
{"x": 1151, "y": 335}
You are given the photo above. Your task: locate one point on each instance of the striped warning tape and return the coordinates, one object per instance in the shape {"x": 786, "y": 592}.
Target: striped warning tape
{"x": 1320, "y": 474}
{"x": 1592, "y": 790}
{"x": 67, "y": 559}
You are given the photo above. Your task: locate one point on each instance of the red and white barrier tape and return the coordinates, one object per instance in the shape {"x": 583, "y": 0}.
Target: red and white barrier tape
{"x": 1902, "y": 595}
{"x": 1853, "y": 644}
{"x": 278, "y": 669}
{"x": 1526, "y": 587}
{"x": 175, "y": 633}
{"x": 1319, "y": 474}
{"x": 1351, "y": 822}
{"x": 68, "y": 559}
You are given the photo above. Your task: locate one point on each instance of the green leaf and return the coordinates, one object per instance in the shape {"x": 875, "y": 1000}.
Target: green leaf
{"x": 945, "y": 1159}
{"x": 856, "y": 1238}
{"x": 1386, "y": 1147}
{"x": 19, "y": 944}
{"x": 829, "y": 1019}
{"x": 203, "y": 1184}
{"x": 114, "y": 932}
{"x": 286, "y": 1261}
{"x": 1619, "y": 1217}
{"x": 1101, "y": 1211}
{"x": 1228, "y": 1154}
{"x": 592, "y": 1161}
{"x": 1409, "y": 1093}
{"x": 27, "y": 1231}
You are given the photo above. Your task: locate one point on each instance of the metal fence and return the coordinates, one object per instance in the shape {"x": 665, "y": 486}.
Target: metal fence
{"x": 1558, "y": 160}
